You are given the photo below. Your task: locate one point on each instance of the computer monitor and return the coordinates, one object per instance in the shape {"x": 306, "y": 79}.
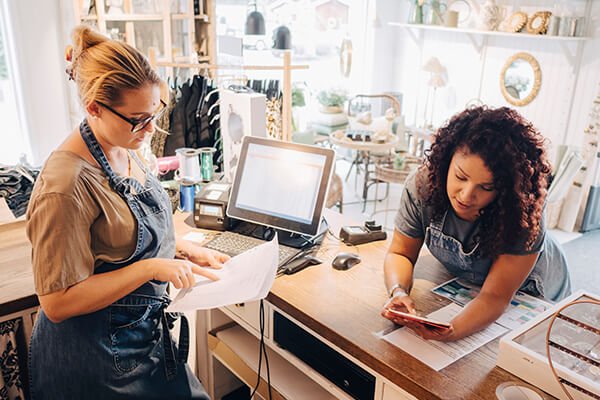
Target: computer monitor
{"x": 281, "y": 185}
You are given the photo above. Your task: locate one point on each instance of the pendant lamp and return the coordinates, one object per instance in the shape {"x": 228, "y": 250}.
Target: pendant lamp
{"x": 255, "y": 22}
{"x": 282, "y": 38}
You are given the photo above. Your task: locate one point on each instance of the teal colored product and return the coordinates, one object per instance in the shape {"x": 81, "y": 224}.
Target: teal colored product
{"x": 206, "y": 161}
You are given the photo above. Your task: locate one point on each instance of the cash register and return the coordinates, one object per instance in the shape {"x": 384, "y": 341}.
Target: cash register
{"x": 279, "y": 187}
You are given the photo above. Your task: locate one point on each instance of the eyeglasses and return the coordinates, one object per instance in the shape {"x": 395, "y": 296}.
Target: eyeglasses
{"x": 138, "y": 124}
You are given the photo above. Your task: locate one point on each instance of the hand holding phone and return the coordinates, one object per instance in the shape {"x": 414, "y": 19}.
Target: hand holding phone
{"x": 395, "y": 314}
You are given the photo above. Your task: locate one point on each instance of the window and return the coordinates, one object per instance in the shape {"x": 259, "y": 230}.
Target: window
{"x": 12, "y": 135}
{"x": 317, "y": 29}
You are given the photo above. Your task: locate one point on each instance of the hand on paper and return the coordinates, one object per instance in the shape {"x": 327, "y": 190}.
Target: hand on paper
{"x": 179, "y": 272}
{"x": 431, "y": 333}
{"x": 206, "y": 257}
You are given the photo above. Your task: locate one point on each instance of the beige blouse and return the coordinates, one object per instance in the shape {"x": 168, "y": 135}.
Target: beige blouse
{"x": 75, "y": 222}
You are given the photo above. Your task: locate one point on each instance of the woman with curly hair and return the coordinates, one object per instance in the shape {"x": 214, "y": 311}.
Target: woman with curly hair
{"x": 477, "y": 203}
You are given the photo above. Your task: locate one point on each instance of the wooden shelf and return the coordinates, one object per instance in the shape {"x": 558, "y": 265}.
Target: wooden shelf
{"x": 160, "y": 22}
{"x": 181, "y": 16}
{"x": 237, "y": 349}
{"x": 134, "y": 17}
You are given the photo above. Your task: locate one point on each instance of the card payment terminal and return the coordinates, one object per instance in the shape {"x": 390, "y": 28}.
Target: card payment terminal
{"x": 210, "y": 206}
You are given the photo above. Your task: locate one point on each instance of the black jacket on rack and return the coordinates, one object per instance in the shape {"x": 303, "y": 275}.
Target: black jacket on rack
{"x": 189, "y": 121}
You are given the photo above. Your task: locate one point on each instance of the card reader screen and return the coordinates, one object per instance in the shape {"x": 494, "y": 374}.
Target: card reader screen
{"x": 207, "y": 209}
{"x": 355, "y": 229}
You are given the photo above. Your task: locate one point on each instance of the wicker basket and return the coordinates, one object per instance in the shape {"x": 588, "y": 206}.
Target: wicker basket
{"x": 386, "y": 172}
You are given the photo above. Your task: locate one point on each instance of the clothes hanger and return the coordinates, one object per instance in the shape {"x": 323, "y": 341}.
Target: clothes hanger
{"x": 212, "y": 107}
{"x": 215, "y": 118}
{"x": 209, "y": 94}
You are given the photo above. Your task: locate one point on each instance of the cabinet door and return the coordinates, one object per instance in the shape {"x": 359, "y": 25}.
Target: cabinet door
{"x": 391, "y": 392}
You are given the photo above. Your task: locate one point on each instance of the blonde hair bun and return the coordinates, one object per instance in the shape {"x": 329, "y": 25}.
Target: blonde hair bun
{"x": 103, "y": 68}
{"x": 85, "y": 37}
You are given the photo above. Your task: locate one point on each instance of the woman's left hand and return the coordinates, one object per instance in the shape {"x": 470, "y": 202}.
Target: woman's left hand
{"x": 206, "y": 257}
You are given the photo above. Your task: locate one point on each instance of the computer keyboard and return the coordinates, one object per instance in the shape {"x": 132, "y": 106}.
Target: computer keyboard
{"x": 233, "y": 244}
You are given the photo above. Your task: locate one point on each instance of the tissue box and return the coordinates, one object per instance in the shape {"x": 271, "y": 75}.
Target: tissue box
{"x": 523, "y": 351}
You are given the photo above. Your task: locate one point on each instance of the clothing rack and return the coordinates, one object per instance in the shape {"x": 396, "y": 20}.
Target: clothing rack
{"x": 287, "y": 67}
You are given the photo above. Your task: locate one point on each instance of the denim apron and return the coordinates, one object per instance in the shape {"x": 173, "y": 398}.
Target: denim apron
{"x": 549, "y": 277}
{"x": 124, "y": 350}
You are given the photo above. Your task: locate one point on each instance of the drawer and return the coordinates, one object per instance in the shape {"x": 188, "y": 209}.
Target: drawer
{"x": 249, "y": 314}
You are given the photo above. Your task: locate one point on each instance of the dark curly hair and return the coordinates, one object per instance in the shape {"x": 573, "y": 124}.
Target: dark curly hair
{"x": 513, "y": 150}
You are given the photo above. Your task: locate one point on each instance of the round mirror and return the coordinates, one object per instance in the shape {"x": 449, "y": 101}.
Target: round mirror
{"x": 520, "y": 79}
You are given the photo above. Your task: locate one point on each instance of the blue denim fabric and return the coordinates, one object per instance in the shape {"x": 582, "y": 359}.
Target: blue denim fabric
{"x": 549, "y": 277}
{"x": 124, "y": 350}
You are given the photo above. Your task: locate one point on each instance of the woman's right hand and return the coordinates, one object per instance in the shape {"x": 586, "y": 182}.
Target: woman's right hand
{"x": 401, "y": 302}
{"x": 179, "y": 272}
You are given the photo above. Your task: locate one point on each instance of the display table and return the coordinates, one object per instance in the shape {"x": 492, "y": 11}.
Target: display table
{"x": 366, "y": 155}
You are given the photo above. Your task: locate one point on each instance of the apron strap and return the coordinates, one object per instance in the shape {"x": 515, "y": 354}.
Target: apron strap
{"x": 168, "y": 320}
{"x": 120, "y": 184}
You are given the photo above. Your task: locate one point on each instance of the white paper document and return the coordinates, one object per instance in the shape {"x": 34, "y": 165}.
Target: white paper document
{"x": 438, "y": 355}
{"x": 522, "y": 308}
{"x": 245, "y": 277}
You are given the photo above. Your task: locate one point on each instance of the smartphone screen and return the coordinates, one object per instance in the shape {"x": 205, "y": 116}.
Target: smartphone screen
{"x": 421, "y": 320}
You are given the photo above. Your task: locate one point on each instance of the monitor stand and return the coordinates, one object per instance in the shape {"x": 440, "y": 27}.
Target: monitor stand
{"x": 284, "y": 237}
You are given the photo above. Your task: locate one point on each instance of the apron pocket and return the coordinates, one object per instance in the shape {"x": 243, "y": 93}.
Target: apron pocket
{"x": 134, "y": 333}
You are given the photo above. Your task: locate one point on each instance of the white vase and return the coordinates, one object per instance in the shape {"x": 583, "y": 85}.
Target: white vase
{"x": 490, "y": 16}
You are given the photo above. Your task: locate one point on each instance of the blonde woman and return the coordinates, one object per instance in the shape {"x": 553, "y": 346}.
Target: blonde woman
{"x": 103, "y": 244}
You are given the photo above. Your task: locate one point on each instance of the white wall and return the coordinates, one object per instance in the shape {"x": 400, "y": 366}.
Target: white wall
{"x": 39, "y": 58}
{"x": 559, "y": 111}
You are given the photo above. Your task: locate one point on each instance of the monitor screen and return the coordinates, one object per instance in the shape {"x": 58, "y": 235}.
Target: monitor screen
{"x": 281, "y": 184}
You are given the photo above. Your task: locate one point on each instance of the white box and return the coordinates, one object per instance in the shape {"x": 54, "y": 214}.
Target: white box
{"x": 523, "y": 351}
{"x": 242, "y": 114}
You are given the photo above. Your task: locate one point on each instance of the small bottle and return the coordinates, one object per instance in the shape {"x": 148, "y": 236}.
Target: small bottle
{"x": 206, "y": 162}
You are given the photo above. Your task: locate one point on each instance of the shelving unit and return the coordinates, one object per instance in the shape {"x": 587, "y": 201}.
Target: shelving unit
{"x": 181, "y": 31}
{"x": 479, "y": 38}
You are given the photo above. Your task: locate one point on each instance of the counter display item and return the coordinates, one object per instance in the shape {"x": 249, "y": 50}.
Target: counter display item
{"x": 574, "y": 343}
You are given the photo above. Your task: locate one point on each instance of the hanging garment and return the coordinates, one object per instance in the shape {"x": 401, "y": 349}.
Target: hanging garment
{"x": 178, "y": 127}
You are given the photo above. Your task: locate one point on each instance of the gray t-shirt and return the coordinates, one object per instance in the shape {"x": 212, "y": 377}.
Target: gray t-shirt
{"x": 414, "y": 217}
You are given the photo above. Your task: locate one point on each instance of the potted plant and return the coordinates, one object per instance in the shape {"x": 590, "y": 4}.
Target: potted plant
{"x": 331, "y": 101}
{"x": 298, "y": 103}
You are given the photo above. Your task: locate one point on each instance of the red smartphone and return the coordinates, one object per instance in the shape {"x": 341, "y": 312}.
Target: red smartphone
{"x": 429, "y": 323}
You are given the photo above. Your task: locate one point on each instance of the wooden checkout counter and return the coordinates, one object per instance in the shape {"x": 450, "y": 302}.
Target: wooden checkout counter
{"x": 338, "y": 309}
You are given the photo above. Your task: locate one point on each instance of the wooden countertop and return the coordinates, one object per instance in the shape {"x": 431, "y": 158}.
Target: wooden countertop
{"x": 343, "y": 307}
{"x": 16, "y": 278}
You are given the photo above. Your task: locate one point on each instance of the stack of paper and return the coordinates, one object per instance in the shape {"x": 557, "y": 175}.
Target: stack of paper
{"x": 246, "y": 277}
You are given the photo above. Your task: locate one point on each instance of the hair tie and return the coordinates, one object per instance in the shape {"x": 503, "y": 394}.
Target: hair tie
{"x": 69, "y": 58}
{"x": 69, "y": 53}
